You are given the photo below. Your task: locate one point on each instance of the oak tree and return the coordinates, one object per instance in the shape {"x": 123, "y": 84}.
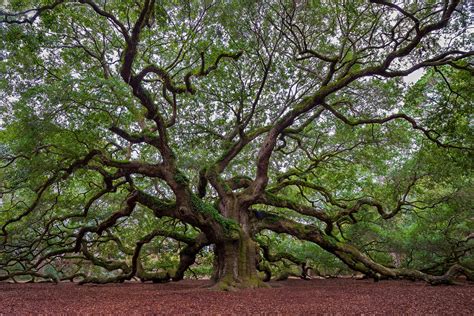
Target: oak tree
{"x": 133, "y": 129}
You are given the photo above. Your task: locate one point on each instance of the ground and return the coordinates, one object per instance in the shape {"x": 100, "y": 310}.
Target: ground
{"x": 331, "y": 296}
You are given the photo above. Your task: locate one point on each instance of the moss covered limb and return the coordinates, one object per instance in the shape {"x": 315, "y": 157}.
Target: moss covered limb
{"x": 198, "y": 213}
{"x": 230, "y": 226}
{"x": 448, "y": 277}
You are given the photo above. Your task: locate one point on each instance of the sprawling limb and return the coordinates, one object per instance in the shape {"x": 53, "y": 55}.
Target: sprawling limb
{"x": 187, "y": 256}
{"x": 351, "y": 256}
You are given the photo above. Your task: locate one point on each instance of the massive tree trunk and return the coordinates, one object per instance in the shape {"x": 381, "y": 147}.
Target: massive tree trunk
{"x": 235, "y": 264}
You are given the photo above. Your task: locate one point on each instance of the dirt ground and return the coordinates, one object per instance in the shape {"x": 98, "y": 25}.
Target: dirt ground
{"x": 292, "y": 297}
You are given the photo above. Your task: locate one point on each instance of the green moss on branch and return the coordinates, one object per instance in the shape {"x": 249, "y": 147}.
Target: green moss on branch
{"x": 230, "y": 226}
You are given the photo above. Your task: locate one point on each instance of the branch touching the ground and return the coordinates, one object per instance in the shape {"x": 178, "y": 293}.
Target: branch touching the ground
{"x": 351, "y": 256}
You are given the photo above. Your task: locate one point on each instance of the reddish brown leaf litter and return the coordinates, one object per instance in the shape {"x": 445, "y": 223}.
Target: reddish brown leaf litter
{"x": 292, "y": 297}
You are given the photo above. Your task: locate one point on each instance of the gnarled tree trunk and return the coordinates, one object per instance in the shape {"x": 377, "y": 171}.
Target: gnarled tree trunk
{"x": 235, "y": 264}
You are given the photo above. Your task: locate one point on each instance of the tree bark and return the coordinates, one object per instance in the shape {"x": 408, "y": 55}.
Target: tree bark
{"x": 235, "y": 264}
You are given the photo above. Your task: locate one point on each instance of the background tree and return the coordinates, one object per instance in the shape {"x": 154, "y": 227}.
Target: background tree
{"x": 132, "y": 131}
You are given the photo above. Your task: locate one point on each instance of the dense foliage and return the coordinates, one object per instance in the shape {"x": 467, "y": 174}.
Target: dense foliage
{"x": 164, "y": 139}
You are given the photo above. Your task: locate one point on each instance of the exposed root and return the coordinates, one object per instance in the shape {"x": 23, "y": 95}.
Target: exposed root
{"x": 231, "y": 285}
